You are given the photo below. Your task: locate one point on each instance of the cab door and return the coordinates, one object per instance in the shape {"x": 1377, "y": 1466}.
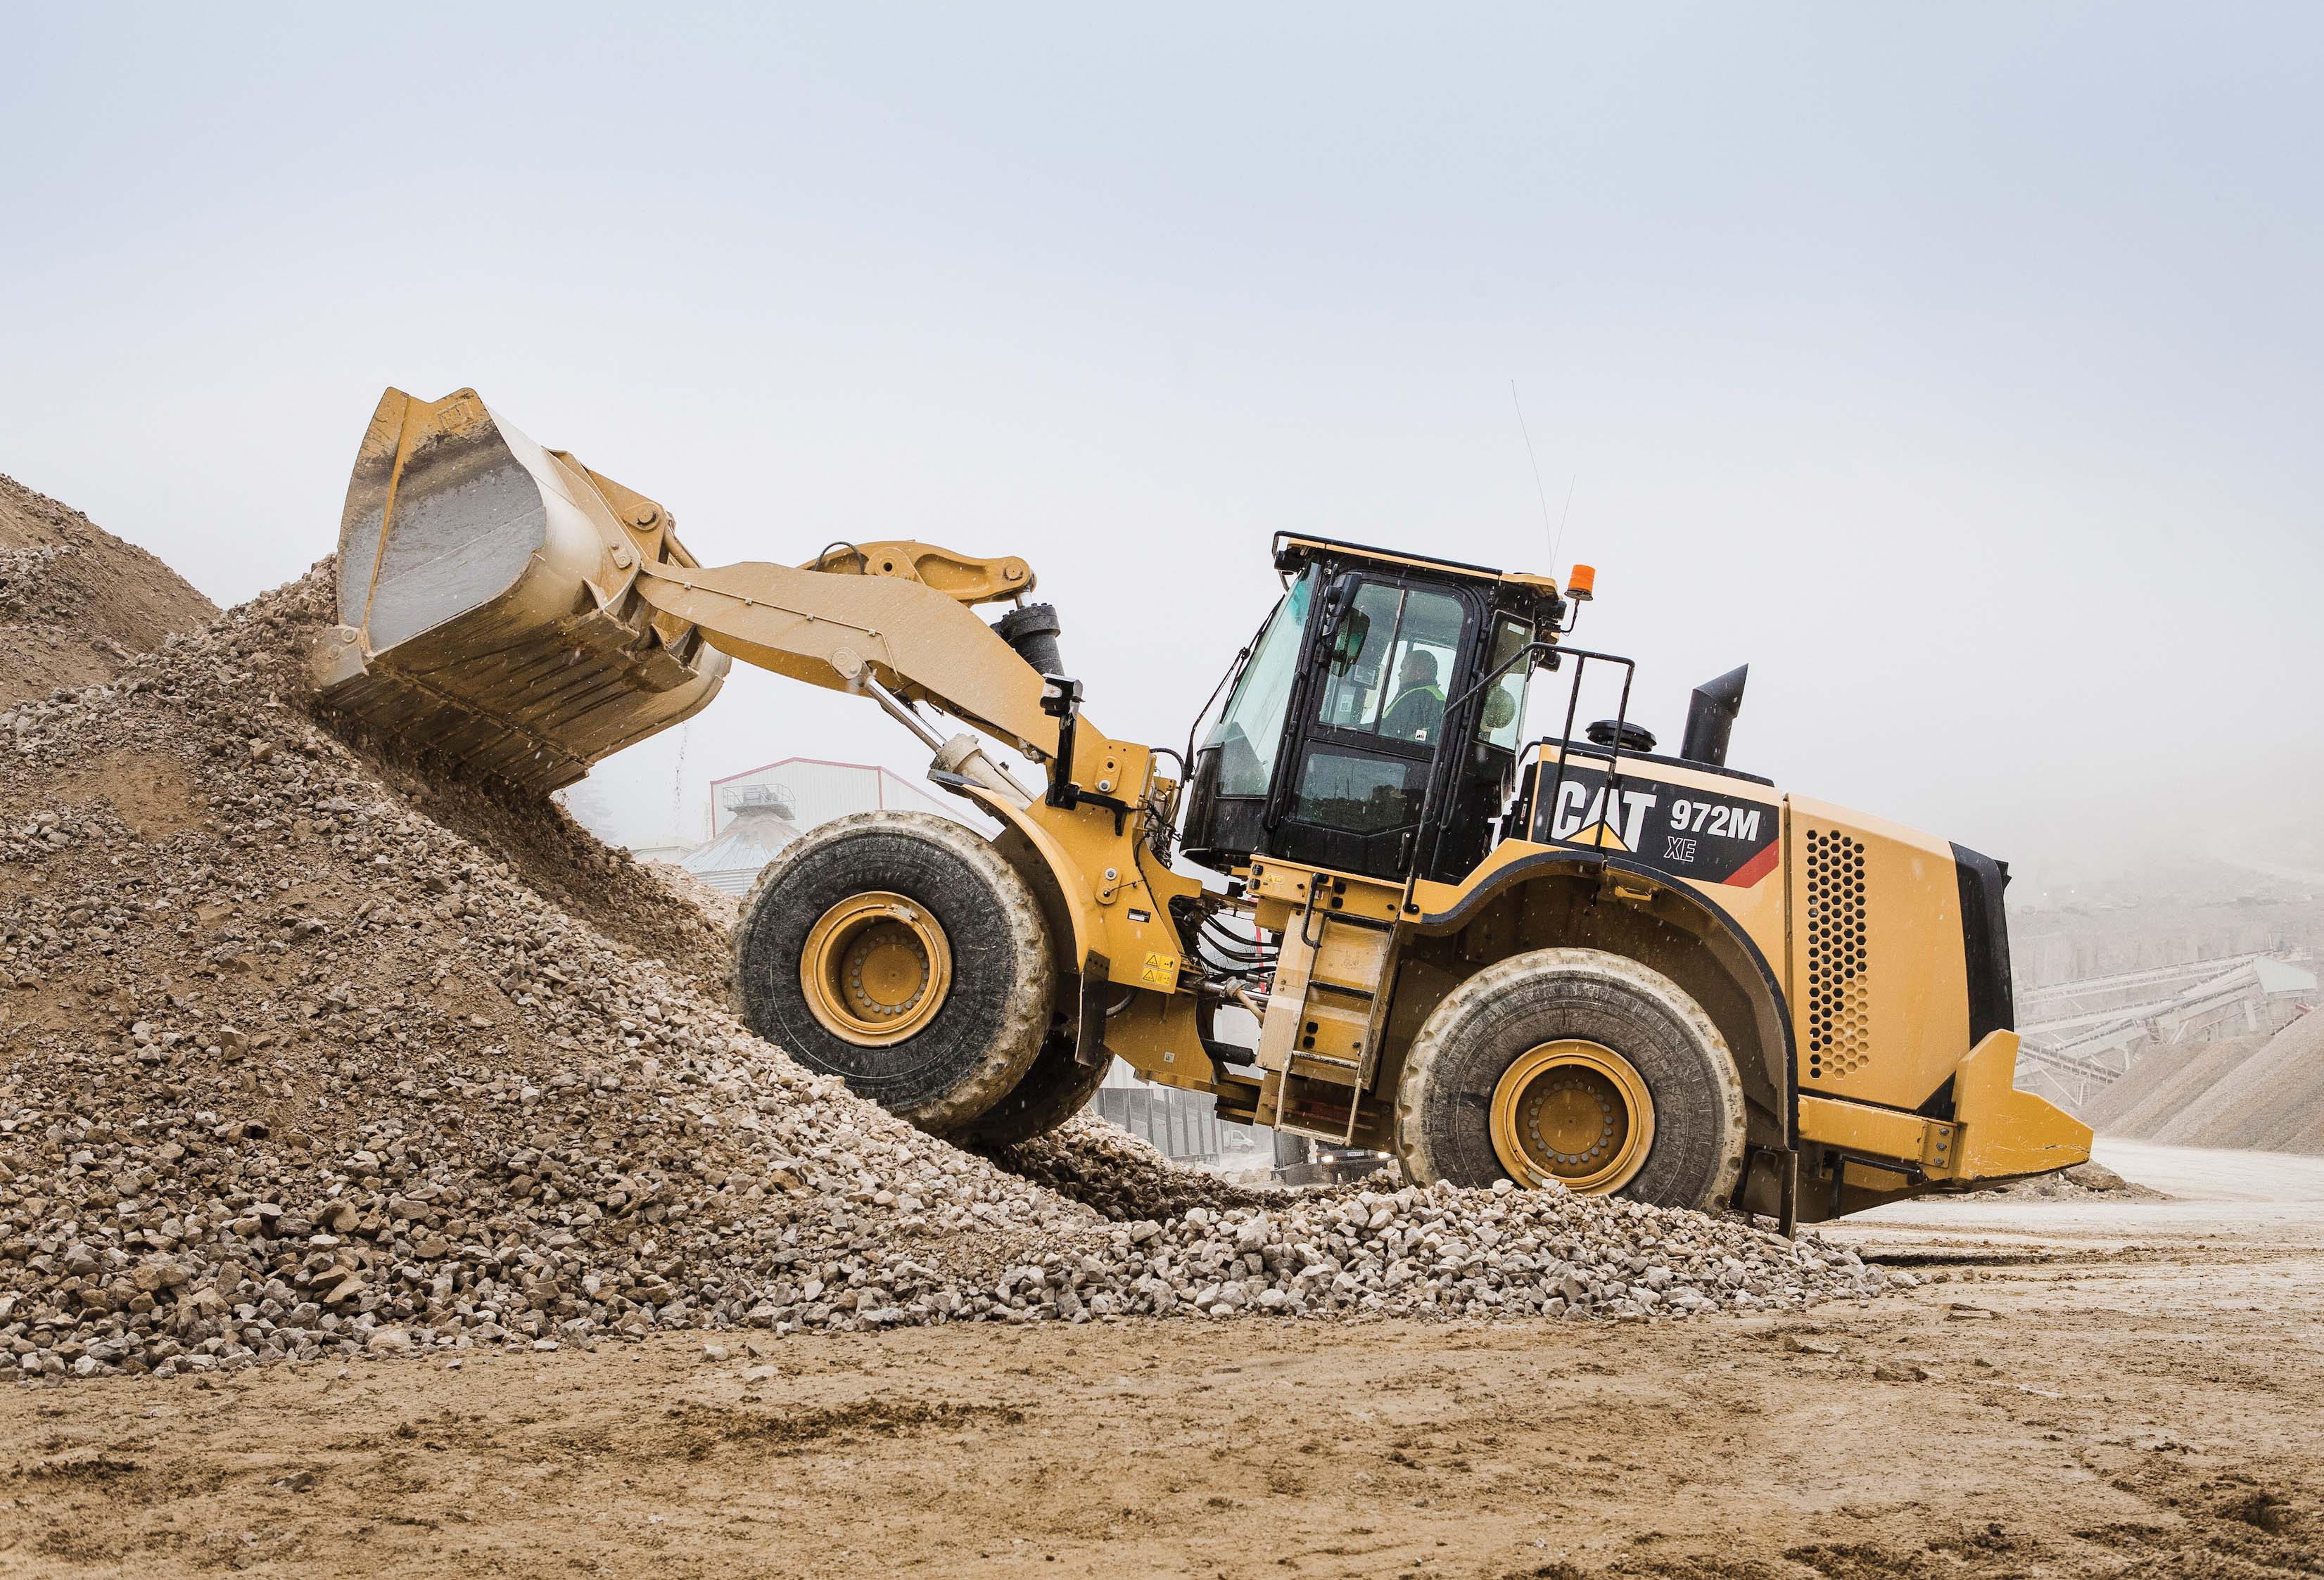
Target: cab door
{"x": 1370, "y": 720}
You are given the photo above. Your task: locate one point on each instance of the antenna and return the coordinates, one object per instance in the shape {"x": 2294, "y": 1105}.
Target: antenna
{"x": 1556, "y": 534}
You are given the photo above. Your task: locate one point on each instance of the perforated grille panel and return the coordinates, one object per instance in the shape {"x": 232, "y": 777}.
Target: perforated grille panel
{"x": 1840, "y": 995}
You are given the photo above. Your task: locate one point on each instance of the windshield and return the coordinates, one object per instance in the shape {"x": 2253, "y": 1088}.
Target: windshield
{"x": 1250, "y": 732}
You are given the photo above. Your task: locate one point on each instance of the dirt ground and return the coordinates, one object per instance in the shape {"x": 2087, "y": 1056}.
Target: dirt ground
{"x": 2087, "y": 1388}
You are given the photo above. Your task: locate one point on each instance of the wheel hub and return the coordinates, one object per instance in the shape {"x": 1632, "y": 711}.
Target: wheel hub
{"x": 1575, "y": 1112}
{"x": 875, "y": 968}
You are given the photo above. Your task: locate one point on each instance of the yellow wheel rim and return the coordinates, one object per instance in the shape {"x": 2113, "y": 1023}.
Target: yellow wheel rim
{"x": 876, "y": 969}
{"x": 1574, "y": 1112}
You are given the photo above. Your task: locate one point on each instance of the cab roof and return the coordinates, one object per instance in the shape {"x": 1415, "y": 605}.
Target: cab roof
{"x": 1294, "y": 552}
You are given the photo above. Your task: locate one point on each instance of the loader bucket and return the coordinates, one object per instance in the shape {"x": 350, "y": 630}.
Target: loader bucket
{"x": 488, "y": 608}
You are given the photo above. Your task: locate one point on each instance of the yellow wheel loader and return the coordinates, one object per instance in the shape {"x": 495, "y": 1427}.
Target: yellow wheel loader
{"x": 1566, "y": 959}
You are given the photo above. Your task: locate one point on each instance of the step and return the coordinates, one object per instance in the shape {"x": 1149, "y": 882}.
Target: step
{"x": 1324, "y": 1111}
{"x": 1315, "y": 1067}
{"x": 1332, "y": 1032}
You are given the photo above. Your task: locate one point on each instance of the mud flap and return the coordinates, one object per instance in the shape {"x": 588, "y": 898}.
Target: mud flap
{"x": 1088, "y": 1038}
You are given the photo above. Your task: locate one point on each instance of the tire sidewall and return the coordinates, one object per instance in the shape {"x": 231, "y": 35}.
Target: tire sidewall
{"x": 1445, "y": 1101}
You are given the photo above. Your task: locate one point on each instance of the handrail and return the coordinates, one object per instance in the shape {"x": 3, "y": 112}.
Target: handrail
{"x": 1573, "y": 701}
{"x": 1567, "y": 749}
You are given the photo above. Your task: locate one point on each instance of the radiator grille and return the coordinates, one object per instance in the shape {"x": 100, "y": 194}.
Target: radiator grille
{"x": 1839, "y": 994}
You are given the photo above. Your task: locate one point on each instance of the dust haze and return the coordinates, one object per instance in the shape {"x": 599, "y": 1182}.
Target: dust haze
{"x": 1962, "y": 379}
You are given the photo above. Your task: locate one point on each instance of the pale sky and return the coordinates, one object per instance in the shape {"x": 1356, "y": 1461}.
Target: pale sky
{"x": 1956, "y": 367}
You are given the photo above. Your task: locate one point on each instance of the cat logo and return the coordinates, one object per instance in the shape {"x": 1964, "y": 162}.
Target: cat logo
{"x": 1582, "y": 815}
{"x": 1687, "y": 832}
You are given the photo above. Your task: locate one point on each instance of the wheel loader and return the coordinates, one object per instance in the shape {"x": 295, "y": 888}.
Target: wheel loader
{"x": 1567, "y": 959}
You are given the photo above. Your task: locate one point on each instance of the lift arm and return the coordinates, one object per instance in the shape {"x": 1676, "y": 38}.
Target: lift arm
{"x": 832, "y": 629}
{"x": 853, "y": 624}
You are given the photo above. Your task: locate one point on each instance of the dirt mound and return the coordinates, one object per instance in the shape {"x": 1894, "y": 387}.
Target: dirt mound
{"x": 2272, "y": 1101}
{"x": 76, "y": 602}
{"x": 313, "y": 1051}
{"x": 1104, "y": 1166}
{"x": 553, "y": 855}
{"x": 2107, "y": 1110}
{"x": 2163, "y": 1083}
{"x": 723, "y": 909}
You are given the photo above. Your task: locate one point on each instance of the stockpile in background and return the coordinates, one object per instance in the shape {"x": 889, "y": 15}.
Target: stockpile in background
{"x": 76, "y": 602}
{"x": 2162, "y": 1084}
{"x": 2270, "y": 1100}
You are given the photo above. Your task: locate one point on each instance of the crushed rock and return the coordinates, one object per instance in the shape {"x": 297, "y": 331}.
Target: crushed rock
{"x": 1122, "y": 1176}
{"x": 723, "y": 908}
{"x": 315, "y": 1051}
{"x": 2165, "y": 1083}
{"x": 76, "y": 602}
{"x": 2271, "y": 1100}
{"x": 2079, "y": 1182}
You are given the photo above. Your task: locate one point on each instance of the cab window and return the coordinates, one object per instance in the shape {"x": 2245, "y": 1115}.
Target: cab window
{"x": 1358, "y": 794}
{"x": 1502, "y": 718}
{"x": 1392, "y": 656}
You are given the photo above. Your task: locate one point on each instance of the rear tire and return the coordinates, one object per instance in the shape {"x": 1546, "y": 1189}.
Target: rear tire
{"x": 1510, "y": 1011}
{"x": 989, "y": 959}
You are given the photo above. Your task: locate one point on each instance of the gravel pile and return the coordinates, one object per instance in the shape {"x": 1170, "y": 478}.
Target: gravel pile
{"x": 313, "y": 1053}
{"x": 2272, "y": 1099}
{"x": 2078, "y": 1183}
{"x": 1105, "y": 1167}
{"x": 2163, "y": 1082}
{"x": 1218, "y": 1250}
{"x": 76, "y": 602}
{"x": 723, "y": 909}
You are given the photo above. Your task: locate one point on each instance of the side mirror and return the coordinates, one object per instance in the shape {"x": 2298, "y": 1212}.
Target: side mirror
{"x": 1349, "y": 628}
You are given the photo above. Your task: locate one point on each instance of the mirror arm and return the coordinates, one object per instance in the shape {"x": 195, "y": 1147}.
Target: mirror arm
{"x": 1497, "y": 672}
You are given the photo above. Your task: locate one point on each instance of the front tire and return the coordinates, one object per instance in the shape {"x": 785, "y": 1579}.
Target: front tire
{"x": 1057, "y": 1087}
{"x": 1518, "y": 1063}
{"x": 900, "y": 953}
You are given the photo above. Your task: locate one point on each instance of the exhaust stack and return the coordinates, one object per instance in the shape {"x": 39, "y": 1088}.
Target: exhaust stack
{"x": 1710, "y": 717}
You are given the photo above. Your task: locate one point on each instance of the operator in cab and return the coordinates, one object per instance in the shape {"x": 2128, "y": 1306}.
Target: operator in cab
{"x": 1419, "y": 711}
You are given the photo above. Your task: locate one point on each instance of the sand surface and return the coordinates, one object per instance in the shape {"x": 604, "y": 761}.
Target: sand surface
{"x": 2085, "y": 1387}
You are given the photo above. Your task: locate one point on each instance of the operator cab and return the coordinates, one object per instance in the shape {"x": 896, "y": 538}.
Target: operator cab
{"x": 1358, "y": 715}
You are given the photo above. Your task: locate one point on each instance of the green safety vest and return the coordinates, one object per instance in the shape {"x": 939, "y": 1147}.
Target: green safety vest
{"x": 1428, "y": 690}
